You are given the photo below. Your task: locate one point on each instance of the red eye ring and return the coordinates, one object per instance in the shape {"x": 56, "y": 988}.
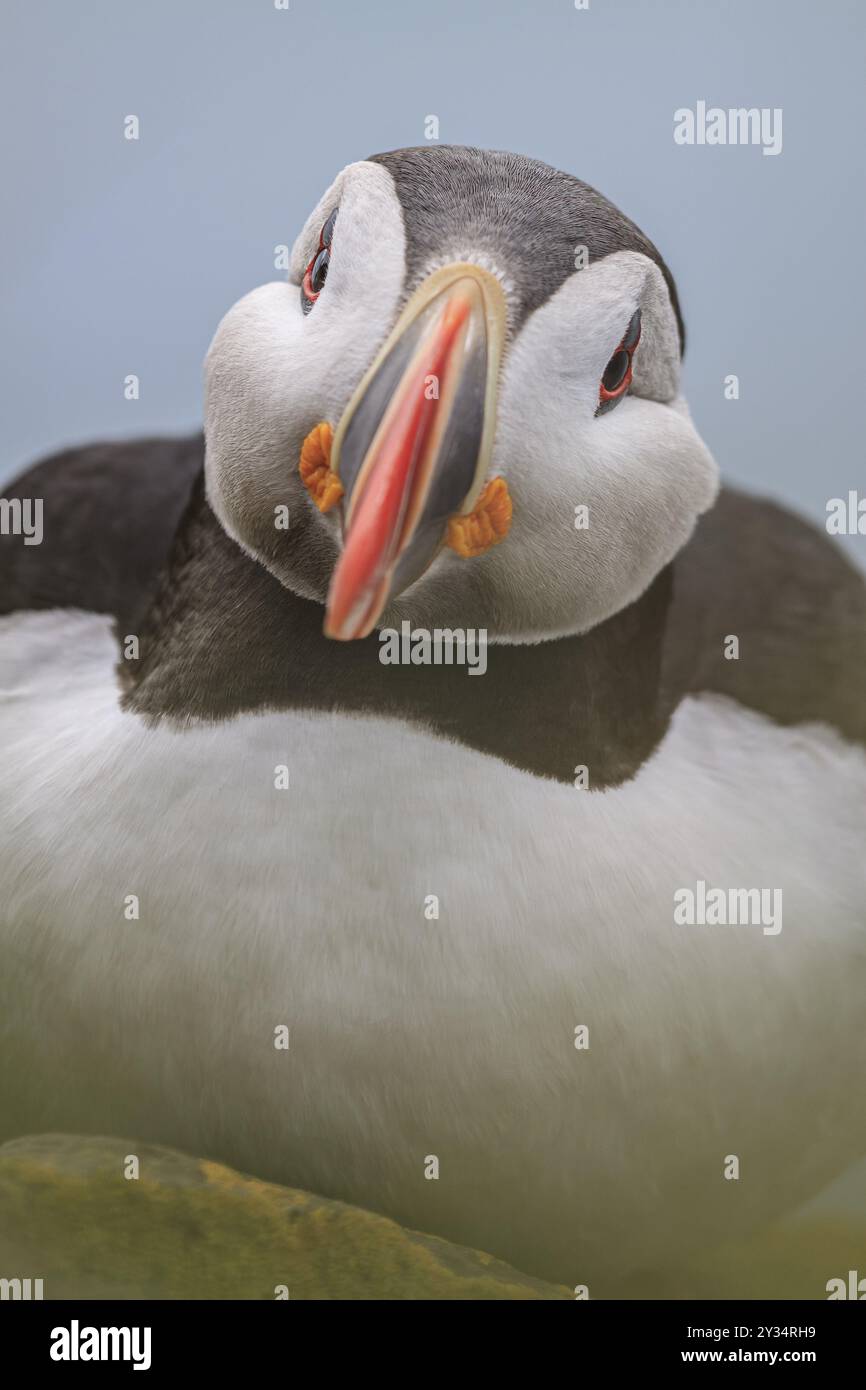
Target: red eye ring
{"x": 307, "y": 284}
{"x": 625, "y": 382}
{"x": 317, "y": 269}
{"x": 618, "y": 372}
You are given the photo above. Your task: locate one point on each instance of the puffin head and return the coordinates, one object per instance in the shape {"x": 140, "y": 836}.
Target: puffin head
{"x": 463, "y": 409}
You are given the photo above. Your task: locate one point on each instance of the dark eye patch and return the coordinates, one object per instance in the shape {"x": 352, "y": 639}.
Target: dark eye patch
{"x": 328, "y": 229}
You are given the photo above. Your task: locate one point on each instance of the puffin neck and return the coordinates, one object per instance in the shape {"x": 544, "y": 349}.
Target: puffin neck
{"x": 222, "y": 638}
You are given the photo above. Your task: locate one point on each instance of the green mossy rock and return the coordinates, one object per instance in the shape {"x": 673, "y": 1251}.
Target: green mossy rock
{"x": 189, "y": 1228}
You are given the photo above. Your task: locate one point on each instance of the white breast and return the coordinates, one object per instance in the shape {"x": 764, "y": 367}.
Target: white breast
{"x": 453, "y": 1037}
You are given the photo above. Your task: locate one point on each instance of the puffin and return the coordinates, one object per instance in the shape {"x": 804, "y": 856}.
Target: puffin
{"x": 559, "y": 953}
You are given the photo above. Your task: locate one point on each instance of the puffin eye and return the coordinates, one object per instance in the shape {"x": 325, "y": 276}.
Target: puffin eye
{"x": 616, "y": 378}
{"x": 615, "y": 372}
{"x": 316, "y": 272}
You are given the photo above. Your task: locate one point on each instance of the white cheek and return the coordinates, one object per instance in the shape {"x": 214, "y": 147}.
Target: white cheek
{"x": 272, "y": 372}
{"x": 641, "y": 471}
{"x": 649, "y": 477}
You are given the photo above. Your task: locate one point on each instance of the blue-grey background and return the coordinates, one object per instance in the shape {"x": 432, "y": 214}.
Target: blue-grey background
{"x": 120, "y": 257}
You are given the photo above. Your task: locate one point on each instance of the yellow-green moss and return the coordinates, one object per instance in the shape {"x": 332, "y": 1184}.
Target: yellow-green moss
{"x": 188, "y": 1228}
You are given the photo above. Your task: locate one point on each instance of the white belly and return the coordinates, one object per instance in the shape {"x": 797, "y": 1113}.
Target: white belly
{"x": 409, "y": 1037}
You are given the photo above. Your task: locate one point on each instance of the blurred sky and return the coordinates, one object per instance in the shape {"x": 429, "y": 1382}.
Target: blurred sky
{"x": 120, "y": 257}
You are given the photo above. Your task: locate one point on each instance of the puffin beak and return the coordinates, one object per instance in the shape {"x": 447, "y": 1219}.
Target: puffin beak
{"x": 413, "y": 446}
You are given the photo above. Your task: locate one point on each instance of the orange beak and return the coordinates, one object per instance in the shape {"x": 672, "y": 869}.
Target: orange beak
{"x": 414, "y": 443}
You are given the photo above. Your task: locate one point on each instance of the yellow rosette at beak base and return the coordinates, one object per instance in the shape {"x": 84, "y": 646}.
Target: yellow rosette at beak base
{"x": 486, "y": 525}
{"x": 478, "y": 531}
{"x": 318, "y": 478}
